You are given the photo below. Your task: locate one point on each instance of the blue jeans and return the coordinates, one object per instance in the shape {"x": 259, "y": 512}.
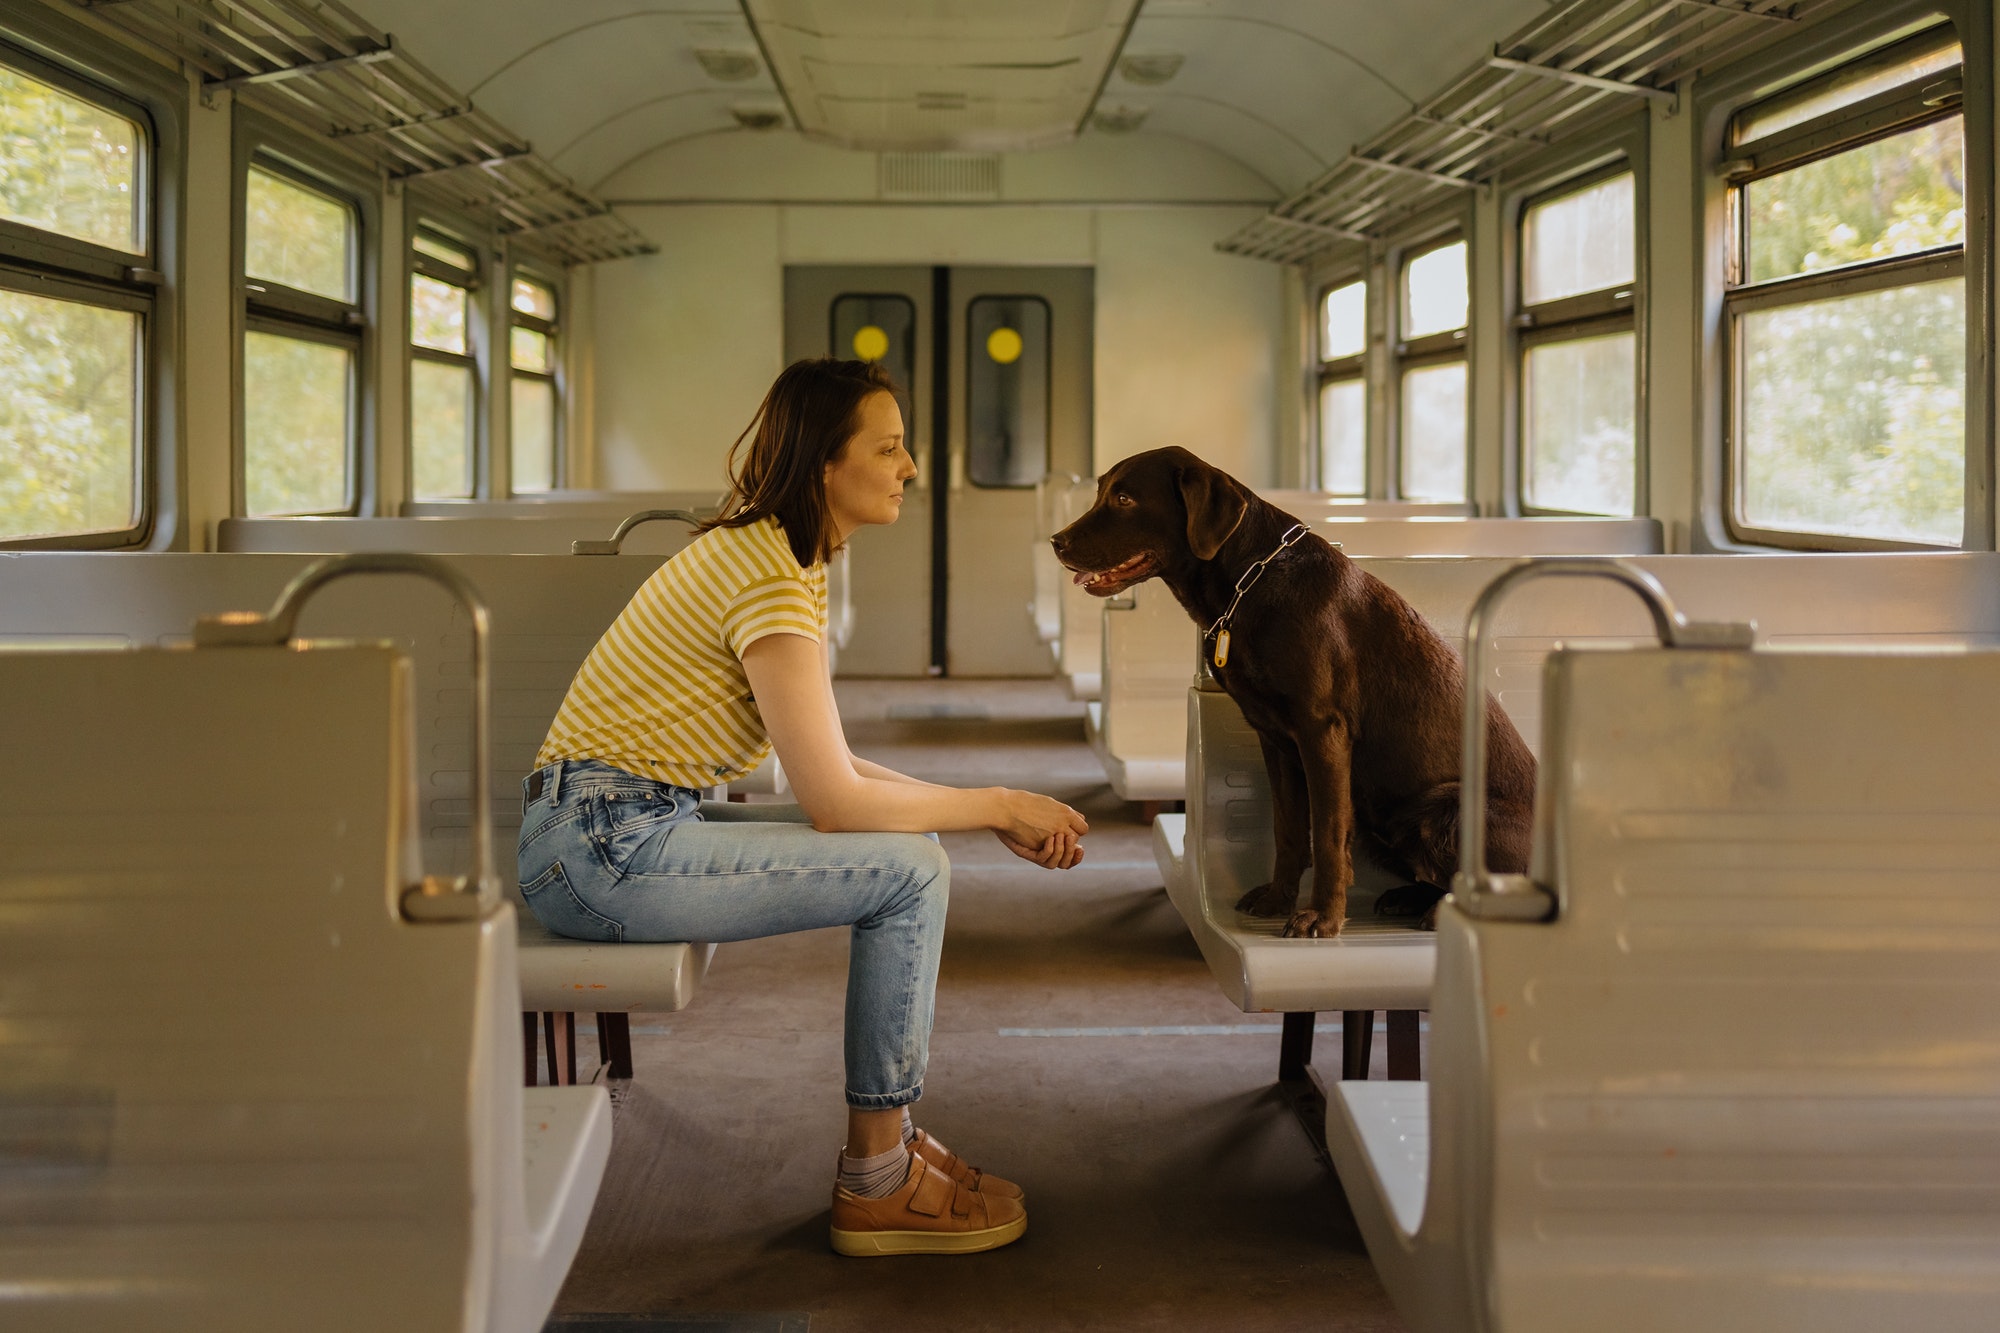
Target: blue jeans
{"x": 606, "y": 855}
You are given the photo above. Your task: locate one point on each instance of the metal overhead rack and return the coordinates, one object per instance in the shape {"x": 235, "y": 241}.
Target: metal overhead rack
{"x": 1581, "y": 64}
{"x": 320, "y": 65}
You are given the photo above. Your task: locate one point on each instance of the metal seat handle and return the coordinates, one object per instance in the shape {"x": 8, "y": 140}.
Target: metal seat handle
{"x": 1476, "y": 890}
{"x": 433, "y": 899}
{"x": 617, "y": 541}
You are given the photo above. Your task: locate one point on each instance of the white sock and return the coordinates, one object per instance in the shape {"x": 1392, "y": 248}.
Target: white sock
{"x": 875, "y": 1177}
{"x": 909, "y": 1130}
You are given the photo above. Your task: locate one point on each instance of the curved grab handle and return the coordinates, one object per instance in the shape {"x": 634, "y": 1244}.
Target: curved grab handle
{"x": 1476, "y": 890}
{"x": 590, "y": 547}
{"x": 433, "y": 899}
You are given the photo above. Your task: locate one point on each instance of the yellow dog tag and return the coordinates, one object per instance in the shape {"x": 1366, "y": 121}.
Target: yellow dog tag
{"x": 1222, "y": 649}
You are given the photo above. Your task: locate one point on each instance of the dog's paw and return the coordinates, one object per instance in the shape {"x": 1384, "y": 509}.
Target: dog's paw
{"x": 1268, "y": 900}
{"x": 1306, "y": 924}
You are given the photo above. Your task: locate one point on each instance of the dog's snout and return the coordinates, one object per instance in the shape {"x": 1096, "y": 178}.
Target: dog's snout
{"x": 1061, "y": 543}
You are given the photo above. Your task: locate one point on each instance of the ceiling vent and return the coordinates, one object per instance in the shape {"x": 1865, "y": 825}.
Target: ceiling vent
{"x": 727, "y": 66}
{"x": 758, "y": 117}
{"x": 947, "y": 101}
{"x": 939, "y": 175}
{"x": 1119, "y": 119}
{"x": 1151, "y": 69}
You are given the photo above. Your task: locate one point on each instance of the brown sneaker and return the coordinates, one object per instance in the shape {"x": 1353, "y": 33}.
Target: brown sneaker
{"x": 929, "y": 1213}
{"x": 960, "y": 1170}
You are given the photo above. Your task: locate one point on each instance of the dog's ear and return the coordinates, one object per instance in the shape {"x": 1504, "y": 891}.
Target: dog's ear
{"x": 1214, "y": 507}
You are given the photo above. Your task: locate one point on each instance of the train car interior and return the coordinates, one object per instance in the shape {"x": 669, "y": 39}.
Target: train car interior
{"x": 1454, "y": 545}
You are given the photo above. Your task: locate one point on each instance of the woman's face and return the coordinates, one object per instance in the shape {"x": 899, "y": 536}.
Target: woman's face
{"x": 864, "y": 482}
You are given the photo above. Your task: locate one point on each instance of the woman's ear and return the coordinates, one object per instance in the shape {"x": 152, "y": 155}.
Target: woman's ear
{"x": 1214, "y": 507}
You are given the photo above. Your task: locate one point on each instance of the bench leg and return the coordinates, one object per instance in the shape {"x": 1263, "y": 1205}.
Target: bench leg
{"x": 614, "y": 1044}
{"x": 1298, "y": 1082}
{"x": 1405, "y": 1054}
{"x": 1357, "y": 1039}
{"x": 559, "y": 1031}
{"x": 531, "y": 1057}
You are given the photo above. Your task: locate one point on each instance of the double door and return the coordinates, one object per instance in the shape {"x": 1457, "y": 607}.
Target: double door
{"x": 993, "y": 373}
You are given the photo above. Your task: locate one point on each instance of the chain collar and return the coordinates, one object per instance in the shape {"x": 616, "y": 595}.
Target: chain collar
{"x": 1219, "y": 631}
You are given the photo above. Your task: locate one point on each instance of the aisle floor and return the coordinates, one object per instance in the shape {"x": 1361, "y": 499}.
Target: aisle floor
{"x": 1168, "y": 1185}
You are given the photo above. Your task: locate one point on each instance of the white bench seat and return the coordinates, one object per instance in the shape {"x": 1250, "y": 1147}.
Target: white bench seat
{"x": 565, "y": 1144}
{"x": 1170, "y": 850}
{"x": 1386, "y": 1135}
{"x": 560, "y": 975}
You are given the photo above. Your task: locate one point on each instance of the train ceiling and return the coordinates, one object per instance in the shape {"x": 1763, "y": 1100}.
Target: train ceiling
{"x": 1355, "y": 112}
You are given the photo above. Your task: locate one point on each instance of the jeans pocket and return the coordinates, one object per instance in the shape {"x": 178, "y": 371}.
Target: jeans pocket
{"x": 621, "y": 822}
{"x": 555, "y": 904}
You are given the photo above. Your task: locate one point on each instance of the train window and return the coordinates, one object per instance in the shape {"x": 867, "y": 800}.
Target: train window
{"x": 880, "y": 328}
{"x": 1343, "y": 389}
{"x": 532, "y": 352}
{"x": 444, "y": 372}
{"x": 1435, "y": 291}
{"x": 72, "y": 326}
{"x": 1846, "y": 305}
{"x": 301, "y": 345}
{"x": 1007, "y": 390}
{"x": 1579, "y": 353}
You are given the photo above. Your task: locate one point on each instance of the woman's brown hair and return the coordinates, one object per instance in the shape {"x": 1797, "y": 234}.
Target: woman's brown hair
{"x": 811, "y": 412}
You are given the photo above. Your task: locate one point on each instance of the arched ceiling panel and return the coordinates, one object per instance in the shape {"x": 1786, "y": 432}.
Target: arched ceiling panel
{"x": 1282, "y": 86}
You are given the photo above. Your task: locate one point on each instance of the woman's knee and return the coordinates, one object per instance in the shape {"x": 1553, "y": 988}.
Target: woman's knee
{"x": 923, "y": 868}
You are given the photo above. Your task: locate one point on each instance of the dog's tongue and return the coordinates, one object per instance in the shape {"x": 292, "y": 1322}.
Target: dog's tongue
{"x": 1082, "y": 577}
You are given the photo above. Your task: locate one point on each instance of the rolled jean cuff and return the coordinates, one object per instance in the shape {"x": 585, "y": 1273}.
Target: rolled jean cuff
{"x": 884, "y": 1101}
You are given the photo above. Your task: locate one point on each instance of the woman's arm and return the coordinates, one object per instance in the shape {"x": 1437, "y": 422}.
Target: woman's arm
{"x": 787, "y": 675}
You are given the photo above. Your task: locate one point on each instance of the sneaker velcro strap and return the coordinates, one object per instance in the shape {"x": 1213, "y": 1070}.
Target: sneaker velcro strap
{"x": 934, "y": 1193}
{"x": 961, "y": 1201}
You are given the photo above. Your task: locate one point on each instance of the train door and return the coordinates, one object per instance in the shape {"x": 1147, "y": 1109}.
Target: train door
{"x": 994, "y": 371}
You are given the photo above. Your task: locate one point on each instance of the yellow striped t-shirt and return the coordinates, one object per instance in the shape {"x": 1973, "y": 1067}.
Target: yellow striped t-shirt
{"x": 663, "y": 693}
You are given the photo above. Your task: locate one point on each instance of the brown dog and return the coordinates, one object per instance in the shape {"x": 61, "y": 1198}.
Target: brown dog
{"x": 1356, "y": 700}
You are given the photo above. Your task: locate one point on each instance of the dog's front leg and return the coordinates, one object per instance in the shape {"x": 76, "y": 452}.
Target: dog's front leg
{"x": 1327, "y": 757}
{"x": 1290, "y": 831}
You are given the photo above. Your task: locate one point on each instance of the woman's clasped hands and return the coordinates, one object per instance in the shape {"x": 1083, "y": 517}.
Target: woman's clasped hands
{"x": 1040, "y": 829}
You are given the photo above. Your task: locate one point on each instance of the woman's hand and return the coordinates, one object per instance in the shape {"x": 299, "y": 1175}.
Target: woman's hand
{"x": 1041, "y": 829}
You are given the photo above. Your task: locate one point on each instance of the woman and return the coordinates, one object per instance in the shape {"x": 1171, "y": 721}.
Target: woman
{"x": 719, "y": 656}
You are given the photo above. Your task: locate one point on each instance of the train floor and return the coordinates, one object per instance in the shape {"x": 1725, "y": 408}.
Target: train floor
{"x": 1080, "y": 1049}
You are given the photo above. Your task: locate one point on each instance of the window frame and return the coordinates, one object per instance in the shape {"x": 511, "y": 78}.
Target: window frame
{"x": 1433, "y": 349}
{"x": 520, "y": 266}
{"x": 1620, "y": 308}
{"x": 53, "y": 49}
{"x": 472, "y": 281}
{"x": 269, "y": 145}
{"x": 1821, "y": 54}
{"x": 1342, "y": 370}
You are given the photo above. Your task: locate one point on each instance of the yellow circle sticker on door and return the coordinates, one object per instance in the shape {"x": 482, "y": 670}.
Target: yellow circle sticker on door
{"x": 870, "y": 343}
{"x": 1004, "y": 346}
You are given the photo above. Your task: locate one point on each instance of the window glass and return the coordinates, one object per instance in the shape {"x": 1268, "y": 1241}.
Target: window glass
{"x": 1007, "y": 391}
{"x": 298, "y": 237}
{"x": 296, "y": 393}
{"x": 533, "y": 298}
{"x": 67, "y": 166}
{"x": 440, "y": 429}
{"x": 881, "y": 328}
{"x": 1433, "y": 455}
{"x": 1582, "y": 424}
{"x": 1862, "y": 81}
{"x": 1581, "y": 242}
{"x": 534, "y": 449}
{"x": 68, "y": 418}
{"x": 1895, "y": 196}
{"x": 444, "y": 251}
{"x": 1435, "y": 296}
{"x": 1853, "y": 415}
{"x": 1344, "y": 322}
{"x": 531, "y": 351}
{"x": 1343, "y": 437}
{"x": 437, "y": 314}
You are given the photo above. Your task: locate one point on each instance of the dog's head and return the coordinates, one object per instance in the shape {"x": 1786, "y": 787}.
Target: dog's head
{"x": 1155, "y": 512}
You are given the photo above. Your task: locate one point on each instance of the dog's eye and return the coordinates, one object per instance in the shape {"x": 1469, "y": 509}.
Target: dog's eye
{"x": 1122, "y": 500}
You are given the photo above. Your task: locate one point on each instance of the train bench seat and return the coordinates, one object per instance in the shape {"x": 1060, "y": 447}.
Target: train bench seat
{"x": 1222, "y": 847}
{"x": 222, "y": 1127}
{"x": 1729, "y": 1059}
{"x": 547, "y": 612}
{"x": 1139, "y": 724}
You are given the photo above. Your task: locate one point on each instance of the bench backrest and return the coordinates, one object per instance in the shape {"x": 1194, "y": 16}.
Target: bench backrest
{"x": 1750, "y": 1073}
{"x": 547, "y": 613}
{"x": 583, "y": 504}
{"x": 235, "y": 1084}
{"x": 512, "y": 535}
